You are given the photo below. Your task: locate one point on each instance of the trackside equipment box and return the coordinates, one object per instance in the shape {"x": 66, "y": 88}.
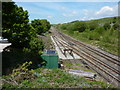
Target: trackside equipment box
{"x": 51, "y": 58}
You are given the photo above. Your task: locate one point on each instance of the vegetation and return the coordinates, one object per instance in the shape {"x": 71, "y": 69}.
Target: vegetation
{"x": 23, "y": 77}
{"x": 102, "y": 32}
{"x": 24, "y": 54}
{"x": 41, "y": 26}
{"x": 23, "y": 35}
{"x": 15, "y": 25}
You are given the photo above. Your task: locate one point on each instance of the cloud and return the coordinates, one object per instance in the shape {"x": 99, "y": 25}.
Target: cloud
{"x": 105, "y": 11}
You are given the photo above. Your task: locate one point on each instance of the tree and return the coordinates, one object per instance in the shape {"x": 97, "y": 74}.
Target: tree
{"x": 41, "y": 26}
{"x": 15, "y": 24}
{"x": 45, "y": 24}
{"x": 36, "y": 45}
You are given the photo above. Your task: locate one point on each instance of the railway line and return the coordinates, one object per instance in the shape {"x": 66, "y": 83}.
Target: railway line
{"x": 106, "y": 64}
{"x": 61, "y": 48}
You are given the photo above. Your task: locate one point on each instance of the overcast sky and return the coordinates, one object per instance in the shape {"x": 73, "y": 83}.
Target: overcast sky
{"x": 61, "y": 12}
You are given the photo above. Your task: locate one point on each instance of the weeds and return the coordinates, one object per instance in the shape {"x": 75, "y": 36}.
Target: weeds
{"x": 56, "y": 78}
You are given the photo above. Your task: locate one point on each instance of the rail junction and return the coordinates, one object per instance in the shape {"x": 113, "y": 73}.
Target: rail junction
{"x": 104, "y": 63}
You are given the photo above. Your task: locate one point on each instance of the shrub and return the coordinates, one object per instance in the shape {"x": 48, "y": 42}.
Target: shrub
{"x": 116, "y": 26}
{"x": 36, "y": 45}
{"x": 94, "y": 36}
{"x": 20, "y": 76}
{"x": 26, "y": 50}
{"x": 92, "y": 25}
{"x": 114, "y": 19}
{"x": 63, "y": 26}
{"x": 107, "y": 26}
{"x": 99, "y": 30}
{"x": 71, "y": 27}
{"x": 80, "y": 26}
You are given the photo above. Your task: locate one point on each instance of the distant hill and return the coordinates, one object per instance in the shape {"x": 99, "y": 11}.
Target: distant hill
{"x": 105, "y": 20}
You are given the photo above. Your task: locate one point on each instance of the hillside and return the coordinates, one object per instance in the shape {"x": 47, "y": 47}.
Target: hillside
{"x": 102, "y": 33}
{"x": 104, "y": 20}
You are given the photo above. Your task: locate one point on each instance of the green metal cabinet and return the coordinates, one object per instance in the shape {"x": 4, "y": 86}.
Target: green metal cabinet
{"x": 51, "y": 60}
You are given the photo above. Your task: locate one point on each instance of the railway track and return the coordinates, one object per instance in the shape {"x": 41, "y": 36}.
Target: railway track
{"x": 111, "y": 58}
{"x": 103, "y": 63}
{"x": 61, "y": 48}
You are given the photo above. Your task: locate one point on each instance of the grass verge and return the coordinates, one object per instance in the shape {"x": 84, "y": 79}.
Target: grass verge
{"x": 56, "y": 78}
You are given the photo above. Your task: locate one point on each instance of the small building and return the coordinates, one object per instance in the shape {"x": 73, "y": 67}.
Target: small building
{"x": 51, "y": 59}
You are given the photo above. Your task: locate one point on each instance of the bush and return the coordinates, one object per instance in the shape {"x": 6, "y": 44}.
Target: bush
{"x": 85, "y": 34}
{"x": 80, "y": 26}
{"x": 71, "y": 27}
{"x": 36, "y": 45}
{"x": 110, "y": 36}
{"x": 92, "y": 25}
{"x": 99, "y": 30}
{"x": 107, "y": 26}
{"x": 63, "y": 26}
{"x": 20, "y": 77}
{"x": 94, "y": 36}
{"x": 116, "y": 26}
{"x": 114, "y": 19}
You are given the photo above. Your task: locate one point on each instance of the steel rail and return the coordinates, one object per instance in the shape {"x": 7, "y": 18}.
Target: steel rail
{"x": 58, "y": 46}
{"x": 96, "y": 59}
{"x": 114, "y": 60}
{"x": 94, "y": 64}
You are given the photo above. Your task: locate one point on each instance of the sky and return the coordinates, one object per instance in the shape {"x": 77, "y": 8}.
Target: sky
{"x": 63, "y": 12}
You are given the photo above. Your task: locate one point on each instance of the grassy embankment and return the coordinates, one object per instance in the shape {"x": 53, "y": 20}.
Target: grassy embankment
{"x": 104, "y": 38}
{"x": 48, "y": 78}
